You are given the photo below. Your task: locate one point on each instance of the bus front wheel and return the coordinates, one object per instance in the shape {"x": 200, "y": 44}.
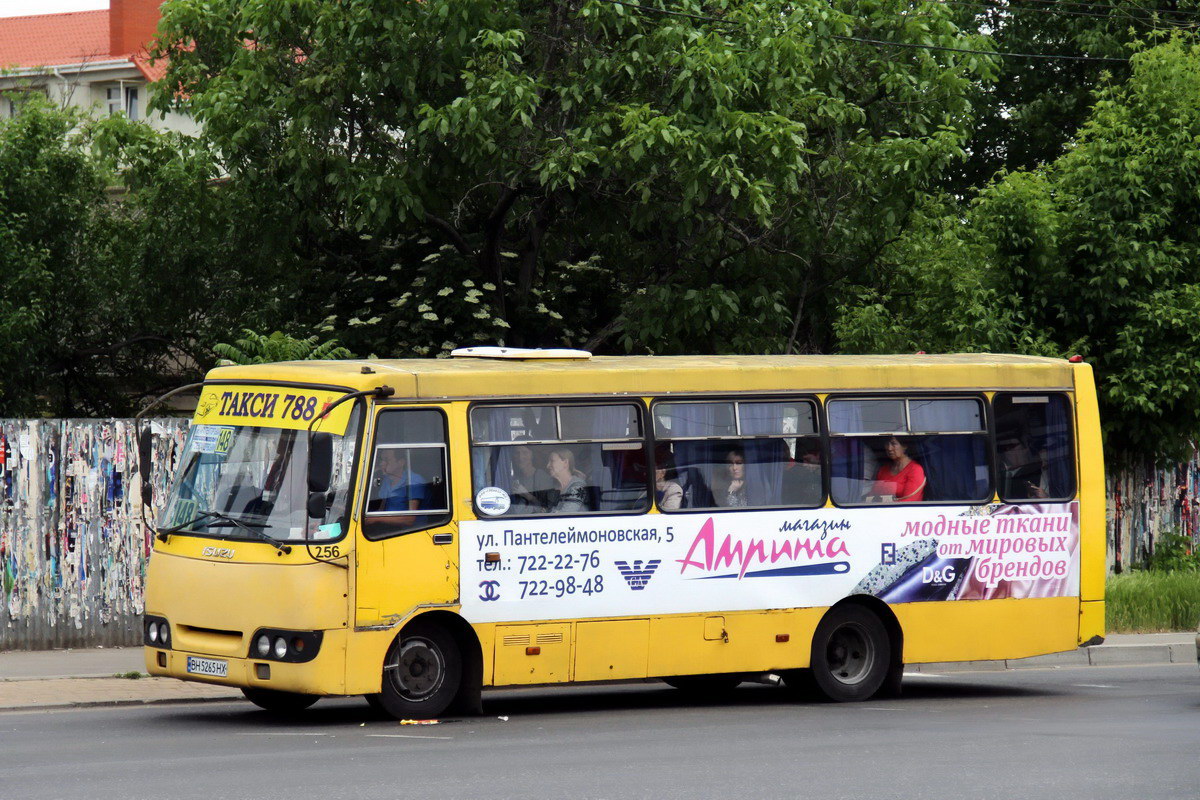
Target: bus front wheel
{"x": 851, "y": 654}
{"x": 421, "y": 673}
{"x": 279, "y": 702}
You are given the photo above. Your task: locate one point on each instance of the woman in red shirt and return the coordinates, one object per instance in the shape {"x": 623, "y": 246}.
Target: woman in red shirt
{"x": 903, "y": 480}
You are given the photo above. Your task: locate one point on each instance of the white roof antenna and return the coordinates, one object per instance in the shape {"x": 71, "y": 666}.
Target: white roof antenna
{"x": 520, "y": 353}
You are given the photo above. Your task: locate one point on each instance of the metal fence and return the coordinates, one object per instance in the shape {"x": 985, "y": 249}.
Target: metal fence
{"x": 73, "y": 547}
{"x": 1144, "y": 502}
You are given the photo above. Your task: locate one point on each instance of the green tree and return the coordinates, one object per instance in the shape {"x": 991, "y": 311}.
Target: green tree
{"x": 112, "y": 294}
{"x": 1030, "y": 114}
{"x": 1097, "y": 253}
{"x": 699, "y": 174}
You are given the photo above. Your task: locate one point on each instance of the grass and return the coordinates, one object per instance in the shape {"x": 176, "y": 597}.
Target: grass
{"x": 1152, "y": 602}
{"x": 132, "y": 675}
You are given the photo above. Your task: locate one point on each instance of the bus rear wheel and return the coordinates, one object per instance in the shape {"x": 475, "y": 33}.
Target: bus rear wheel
{"x": 279, "y": 702}
{"x": 851, "y": 654}
{"x": 421, "y": 673}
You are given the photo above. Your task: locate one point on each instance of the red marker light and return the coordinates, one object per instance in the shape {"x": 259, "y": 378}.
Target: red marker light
{"x": 1076, "y": 359}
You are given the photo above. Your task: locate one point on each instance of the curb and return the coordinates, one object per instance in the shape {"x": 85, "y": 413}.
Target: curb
{"x": 89, "y": 677}
{"x": 1121, "y": 655}
{"x": 155, "y": 701}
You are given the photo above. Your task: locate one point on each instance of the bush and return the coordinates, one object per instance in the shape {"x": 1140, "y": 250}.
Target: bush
{"x": 1153, "y": 601}
{"x": 1174, "y": 552}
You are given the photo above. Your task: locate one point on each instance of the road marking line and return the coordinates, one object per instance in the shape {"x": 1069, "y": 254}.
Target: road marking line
{"x": 909, "y": 675}
{"x": 1095, "y": 686}
{"x": 284, "y": 733}
{"x": 406, "y": 736}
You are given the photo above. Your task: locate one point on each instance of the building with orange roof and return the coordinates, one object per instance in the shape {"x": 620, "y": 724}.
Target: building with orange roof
{"x": 91, "y": 59}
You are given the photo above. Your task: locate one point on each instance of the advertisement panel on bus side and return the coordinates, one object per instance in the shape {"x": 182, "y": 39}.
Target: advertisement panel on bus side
{"x": 564, "y": 567}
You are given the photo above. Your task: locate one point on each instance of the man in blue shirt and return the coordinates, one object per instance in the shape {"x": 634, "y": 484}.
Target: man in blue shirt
{"x": 397, "y": 488}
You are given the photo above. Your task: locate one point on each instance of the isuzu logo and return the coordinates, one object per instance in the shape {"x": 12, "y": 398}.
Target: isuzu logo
{"x": 217, "y": 552}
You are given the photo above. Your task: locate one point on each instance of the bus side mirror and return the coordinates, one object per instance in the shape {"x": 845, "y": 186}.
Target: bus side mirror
{"x": 320, "y": 463}
{"x": 318, "y": 504}
{"x": 145, "y": 459}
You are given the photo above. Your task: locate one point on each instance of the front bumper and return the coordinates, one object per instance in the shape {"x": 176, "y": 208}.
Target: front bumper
{"x": 323, "y": 675}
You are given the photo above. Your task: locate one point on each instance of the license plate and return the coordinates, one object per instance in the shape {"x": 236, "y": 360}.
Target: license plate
{"x": 212, "y": 667}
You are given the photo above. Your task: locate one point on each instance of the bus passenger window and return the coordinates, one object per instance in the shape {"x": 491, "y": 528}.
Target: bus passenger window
{"x": 1035, "y": 453}
{"x": 407, "y": 488}
{"x": 738, "y": 454}
{"x": 558, "y": 459}
{"x": 908, "y": 450}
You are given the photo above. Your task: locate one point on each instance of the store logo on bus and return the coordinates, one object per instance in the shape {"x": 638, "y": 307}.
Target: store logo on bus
{"x": 799, "y": 555}
{"x": 489, "y": 591}
{"x": 638, "y": 576}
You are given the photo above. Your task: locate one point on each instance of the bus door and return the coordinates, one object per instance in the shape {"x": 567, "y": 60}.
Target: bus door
{"x": 407, "y": 554}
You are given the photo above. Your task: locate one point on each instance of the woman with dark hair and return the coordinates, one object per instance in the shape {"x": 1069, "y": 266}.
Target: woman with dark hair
{"x": 729, "y": 489}
{"x": 668, "y": 494}
{"x": 903, "y": 480}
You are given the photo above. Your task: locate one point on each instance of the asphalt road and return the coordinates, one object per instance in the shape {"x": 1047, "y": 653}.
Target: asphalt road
{"x": 1088, "y": 732}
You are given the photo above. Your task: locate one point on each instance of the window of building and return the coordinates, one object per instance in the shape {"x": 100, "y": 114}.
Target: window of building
{"x": 13, "y": 100}
{"x": 1035, "y": 451}
{"x": 737, "y": 454}
{"x": 558, "y": 459}
{"x": 408, "y": 490}
{"x": 123, "y": 99}
{"x": 914, "y": 449}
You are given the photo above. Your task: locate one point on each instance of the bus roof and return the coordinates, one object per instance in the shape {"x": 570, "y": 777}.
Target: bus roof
{"x": 645, "y": 375}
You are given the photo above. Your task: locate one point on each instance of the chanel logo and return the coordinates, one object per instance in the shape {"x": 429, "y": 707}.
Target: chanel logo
{"x": 489, "y": 590}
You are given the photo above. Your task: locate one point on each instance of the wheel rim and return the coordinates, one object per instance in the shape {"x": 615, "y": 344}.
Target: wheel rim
{"x": 850, "y": 654}
{"x": 420, "y": 669}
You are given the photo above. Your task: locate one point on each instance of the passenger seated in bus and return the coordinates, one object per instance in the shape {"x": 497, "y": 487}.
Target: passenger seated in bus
{"x": 902, "y": 480}
{"x": 802, "y": 479}
{"x": 668, "y": 494}
{"x": 530, "y": 483}
{"x": 729, "y": 485}
{"x": 1023, "y": 475}
{"x": 397, "y": 488}
{"x": 571, "y": 489}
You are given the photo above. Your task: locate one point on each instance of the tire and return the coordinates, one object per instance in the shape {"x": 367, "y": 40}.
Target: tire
{"x": 421, "y": 673}
{"x": 704, "y": 684}
{"x": 851, "y": 654}
{"x": 279, "y": 702}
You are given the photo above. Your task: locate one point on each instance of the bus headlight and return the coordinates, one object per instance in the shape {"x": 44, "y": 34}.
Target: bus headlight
{"x": 294, "y": 647}
{"x": 156, "y": 632}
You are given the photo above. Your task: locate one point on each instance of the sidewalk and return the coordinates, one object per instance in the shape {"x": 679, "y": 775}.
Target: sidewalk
{"x": 79, "y": 678}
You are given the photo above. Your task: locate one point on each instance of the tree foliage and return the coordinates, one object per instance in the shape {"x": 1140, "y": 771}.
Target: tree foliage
{"x": 622, "y": 178}
{"x": 1097, "y": 253}
{"x": 112, "y": 295}
{"x": 257, "y": 348}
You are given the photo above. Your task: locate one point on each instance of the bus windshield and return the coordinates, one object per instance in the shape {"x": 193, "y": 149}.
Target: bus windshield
{"x": 243, "y": 482}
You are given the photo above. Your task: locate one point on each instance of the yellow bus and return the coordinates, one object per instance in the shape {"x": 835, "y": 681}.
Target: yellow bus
{"x": 416, "y": 530}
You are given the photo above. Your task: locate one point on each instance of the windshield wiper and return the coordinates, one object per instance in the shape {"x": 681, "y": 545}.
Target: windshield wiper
{"x": 163, "y": 533}
{"x": 254, "y": 530}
